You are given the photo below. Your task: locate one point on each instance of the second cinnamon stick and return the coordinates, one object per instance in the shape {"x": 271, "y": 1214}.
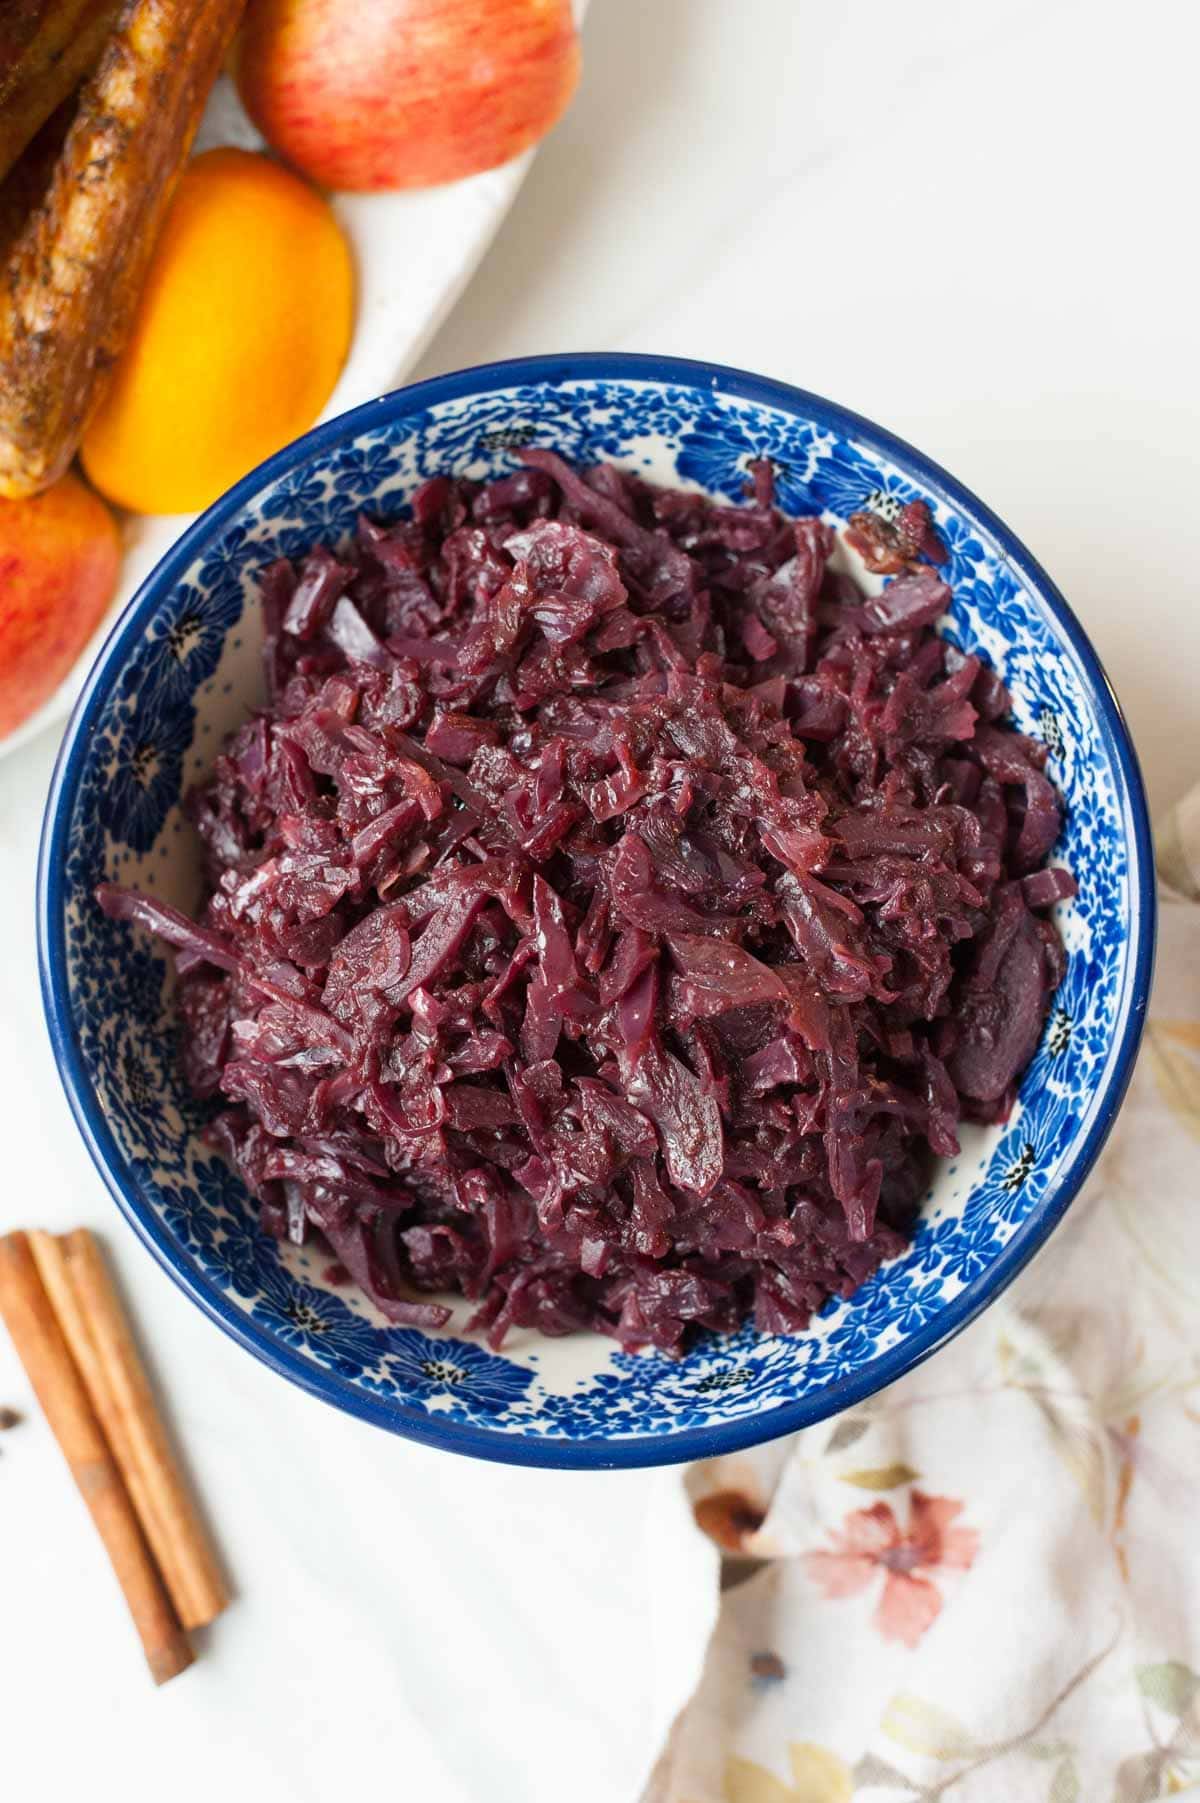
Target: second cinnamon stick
{"x": 98, "y": 1333}
{"x": 43, "y": 1351}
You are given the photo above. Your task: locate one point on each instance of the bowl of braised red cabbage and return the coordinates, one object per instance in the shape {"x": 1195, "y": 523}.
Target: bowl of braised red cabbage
{"x": 596, "y": 910}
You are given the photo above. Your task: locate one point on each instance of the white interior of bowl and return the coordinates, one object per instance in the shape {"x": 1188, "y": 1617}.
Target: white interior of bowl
{"x": 582, "y": 1388}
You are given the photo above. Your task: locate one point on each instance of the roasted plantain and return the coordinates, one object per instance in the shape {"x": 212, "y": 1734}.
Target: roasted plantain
{"x": 60, "y": 54}
{"x": 64, "y": 48}
{"x": 25, "y": 186}
{"x": 75, "y": 272}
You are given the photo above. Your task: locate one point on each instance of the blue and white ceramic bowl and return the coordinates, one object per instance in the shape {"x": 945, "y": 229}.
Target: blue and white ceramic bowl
{"x": 181, "y": 669}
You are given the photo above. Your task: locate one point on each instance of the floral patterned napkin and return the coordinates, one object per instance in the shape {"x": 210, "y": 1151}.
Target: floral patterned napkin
{"x": 984, "y": 1584}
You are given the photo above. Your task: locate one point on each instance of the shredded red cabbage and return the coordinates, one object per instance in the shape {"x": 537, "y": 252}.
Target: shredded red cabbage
{"x": 613, "y": 907}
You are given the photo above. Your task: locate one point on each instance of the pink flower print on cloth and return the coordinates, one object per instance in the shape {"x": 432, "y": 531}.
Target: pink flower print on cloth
{"x": 871, "y": 1541}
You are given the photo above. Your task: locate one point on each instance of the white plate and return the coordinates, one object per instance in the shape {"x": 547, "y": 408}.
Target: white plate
{"x": 414, "y": 253}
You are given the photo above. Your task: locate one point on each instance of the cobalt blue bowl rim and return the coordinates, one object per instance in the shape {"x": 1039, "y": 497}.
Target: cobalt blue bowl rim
{"x": 505, "y": 1446}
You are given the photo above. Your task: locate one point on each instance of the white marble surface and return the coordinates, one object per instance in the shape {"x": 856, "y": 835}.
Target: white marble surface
{"x": 972, "y": 223}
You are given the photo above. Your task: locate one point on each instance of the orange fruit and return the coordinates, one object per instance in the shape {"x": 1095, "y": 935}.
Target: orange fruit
{"x": 240, "y": 335}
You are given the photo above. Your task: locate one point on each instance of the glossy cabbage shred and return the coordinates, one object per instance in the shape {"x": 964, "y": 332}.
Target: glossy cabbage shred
{"x": 614, "y": 907}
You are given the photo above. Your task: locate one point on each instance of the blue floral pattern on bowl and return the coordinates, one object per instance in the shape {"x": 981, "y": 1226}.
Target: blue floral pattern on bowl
{"x": 181, "y": 670}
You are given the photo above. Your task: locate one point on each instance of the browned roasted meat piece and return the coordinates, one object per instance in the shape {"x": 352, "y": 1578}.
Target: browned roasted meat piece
{"x": 25, "y": 186}
{"x": 45, "y": 52}
{"x": 74, "y": 275}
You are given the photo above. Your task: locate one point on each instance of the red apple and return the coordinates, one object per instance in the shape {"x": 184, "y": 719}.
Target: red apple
{"x": 404, "y": 93}
{"x": 59, "y": 557}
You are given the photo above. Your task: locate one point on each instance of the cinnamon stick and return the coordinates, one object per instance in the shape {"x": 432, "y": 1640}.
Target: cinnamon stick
{"x": 101, "y": 1342}
{"x": 43, "y": 1351}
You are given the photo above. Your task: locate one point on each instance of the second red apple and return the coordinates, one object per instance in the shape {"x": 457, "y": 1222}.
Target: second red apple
{"x": 405, "y": 93}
